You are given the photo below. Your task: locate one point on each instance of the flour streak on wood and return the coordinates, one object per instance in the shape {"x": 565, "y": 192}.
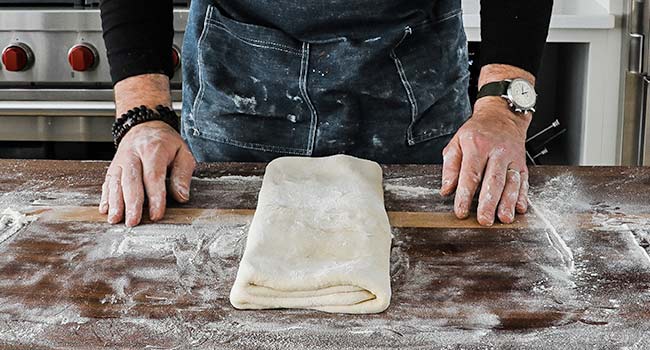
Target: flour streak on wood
{"x": 11, "y": 222}
{"x": 554, "y": 239}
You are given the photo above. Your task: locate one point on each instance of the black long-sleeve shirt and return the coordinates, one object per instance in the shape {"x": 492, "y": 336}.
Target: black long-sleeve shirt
{"x": 138, "y": 33}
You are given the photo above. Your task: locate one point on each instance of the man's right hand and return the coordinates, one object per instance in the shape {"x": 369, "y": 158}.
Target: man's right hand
{"x": 144, "y": 157}
{"x": 140, "y": 167}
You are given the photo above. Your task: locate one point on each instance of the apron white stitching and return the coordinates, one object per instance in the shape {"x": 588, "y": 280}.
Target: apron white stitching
{"x": 304, "y": 65}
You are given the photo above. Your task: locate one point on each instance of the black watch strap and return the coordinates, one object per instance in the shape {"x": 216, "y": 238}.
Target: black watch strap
{"x": 496, "y": 88}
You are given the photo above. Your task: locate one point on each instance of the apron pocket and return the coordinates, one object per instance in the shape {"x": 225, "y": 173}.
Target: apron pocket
{"x": 431, "y": 60}
{"x": 252, "y": 88}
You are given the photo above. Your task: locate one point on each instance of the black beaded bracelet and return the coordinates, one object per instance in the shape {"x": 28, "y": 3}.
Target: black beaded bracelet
{"x": 140, "y": 115}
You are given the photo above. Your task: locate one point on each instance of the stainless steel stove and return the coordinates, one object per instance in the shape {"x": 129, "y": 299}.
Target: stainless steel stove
{"x": 55, "y": 84}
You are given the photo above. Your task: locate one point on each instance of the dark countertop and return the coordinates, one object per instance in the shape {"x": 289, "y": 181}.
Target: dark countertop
{"x": 67, "y": 278}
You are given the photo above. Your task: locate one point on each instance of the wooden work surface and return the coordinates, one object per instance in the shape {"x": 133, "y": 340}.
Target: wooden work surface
{"x": 68, "y": 279}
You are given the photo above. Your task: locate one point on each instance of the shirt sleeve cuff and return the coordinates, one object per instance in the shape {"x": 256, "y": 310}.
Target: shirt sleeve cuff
{"x": 137, "y": 62}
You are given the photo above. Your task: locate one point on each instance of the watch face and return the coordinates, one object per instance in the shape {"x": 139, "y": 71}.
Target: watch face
{"x": 523, "y": 94}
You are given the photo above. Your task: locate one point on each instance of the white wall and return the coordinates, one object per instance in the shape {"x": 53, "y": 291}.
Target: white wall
{"x": 613, "y": 6}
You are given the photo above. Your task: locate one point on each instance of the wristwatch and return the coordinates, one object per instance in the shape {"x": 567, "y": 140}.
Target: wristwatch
{"x": 519, "y": 93}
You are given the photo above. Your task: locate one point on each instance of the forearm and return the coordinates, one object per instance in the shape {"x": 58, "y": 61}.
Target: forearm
{"x": 149, "y": 90}
{"x": 499, "y": 72}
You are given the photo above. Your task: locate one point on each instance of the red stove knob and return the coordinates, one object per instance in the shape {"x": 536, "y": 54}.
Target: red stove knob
{"x": 17, "y": 57}
{"x": 82, "y": 57}
{"x": 176, "y": 57}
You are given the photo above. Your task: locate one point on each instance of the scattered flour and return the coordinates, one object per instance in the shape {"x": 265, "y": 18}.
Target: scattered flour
{"x": 636, "y": 227}
{"x": 606, "y": 243}
{"x": 555, "y": 240}
{"x": 406, "y": 188}
{"x": 245, "y": 104}
{"x": 53, "y": 315}
{"x": 230, "y": 178}
{"x": 553, "y": 203}
{"x": 12, "y": 221}
{"x": 410, "y": 191}
{"x": 187, "y": 270}
{"x": 40, "y": 193}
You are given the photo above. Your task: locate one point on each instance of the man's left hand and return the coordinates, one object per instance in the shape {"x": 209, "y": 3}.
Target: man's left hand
{"x": 489, "y": 152}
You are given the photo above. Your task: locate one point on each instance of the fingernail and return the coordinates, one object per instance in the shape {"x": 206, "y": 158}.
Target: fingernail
{"x": 103, "y": 206}
{"x": 131, "y": 220}
{"x": 184, "y": 193}
{"x": 152, "y": 214}
{"x": 112, "y": 216}
{"x": 488, "y": 220}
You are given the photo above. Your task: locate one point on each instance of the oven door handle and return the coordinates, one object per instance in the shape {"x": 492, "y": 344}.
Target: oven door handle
{"x": 61, "y": 108}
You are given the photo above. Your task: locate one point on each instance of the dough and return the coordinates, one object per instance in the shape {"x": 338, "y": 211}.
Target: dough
{"x": 319, "y": 239}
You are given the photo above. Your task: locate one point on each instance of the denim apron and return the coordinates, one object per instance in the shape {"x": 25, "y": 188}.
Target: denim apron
{"x": 384, "y": 80}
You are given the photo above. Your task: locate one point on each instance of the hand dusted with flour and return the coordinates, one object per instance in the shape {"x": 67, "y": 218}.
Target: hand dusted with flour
{"x": 320, "y": 239}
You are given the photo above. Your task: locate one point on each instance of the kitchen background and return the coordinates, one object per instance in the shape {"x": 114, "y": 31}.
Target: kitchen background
{"x": 56, "y": 97}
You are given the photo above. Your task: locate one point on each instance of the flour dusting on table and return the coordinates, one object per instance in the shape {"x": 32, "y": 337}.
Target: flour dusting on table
{"x": 11, "y": 222}
{"x": 162, "y": 286}
{"x": 410, "y": 191}
{"x": 229, "y": 178}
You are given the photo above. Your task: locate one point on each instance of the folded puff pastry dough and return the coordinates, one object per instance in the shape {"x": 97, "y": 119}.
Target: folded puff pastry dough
{"x": 320, "y": 238}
